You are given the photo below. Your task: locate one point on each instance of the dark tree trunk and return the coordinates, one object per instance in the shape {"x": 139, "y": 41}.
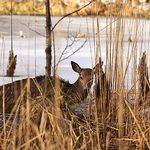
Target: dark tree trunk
{"x": 48, "y": 49}
{"x": 48, "y": 39}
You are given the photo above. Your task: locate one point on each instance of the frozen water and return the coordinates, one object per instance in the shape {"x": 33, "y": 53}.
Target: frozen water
{"x": 30, "y": 46}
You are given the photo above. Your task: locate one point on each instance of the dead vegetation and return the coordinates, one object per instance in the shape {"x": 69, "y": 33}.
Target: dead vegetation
{"x": 11, "y": 66}
{"x": 37, "y": 121}
{"x": 60, "y": 8}
{"x": 111, "y": 116}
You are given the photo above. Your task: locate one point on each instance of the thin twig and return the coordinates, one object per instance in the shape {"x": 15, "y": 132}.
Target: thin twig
{"x": 32, "y": 29}
{"x": 73, "y": 52}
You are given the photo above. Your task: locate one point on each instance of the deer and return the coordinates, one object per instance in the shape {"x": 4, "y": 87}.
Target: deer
{"x": 71, "y": 93}
{"x": 78, "y": 91}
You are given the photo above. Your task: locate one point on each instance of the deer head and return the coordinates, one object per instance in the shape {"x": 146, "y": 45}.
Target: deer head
{"x": 85, "y": 79}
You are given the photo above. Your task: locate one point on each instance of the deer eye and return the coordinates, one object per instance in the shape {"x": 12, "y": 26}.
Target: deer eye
{"x": 81, "y": 78}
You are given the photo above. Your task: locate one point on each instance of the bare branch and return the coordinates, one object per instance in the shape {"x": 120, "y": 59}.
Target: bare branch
{"x": 71, "y": 14}
{"x": 73, "y": 52}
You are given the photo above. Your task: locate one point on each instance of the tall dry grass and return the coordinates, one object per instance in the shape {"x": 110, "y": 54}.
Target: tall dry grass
{"x": 117, "y": 119}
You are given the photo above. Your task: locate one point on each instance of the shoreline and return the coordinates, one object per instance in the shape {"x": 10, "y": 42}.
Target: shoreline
{"x": 94, "y": 9}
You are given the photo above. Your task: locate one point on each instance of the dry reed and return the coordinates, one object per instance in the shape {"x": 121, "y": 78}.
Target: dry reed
{"x": 117, "y": 119}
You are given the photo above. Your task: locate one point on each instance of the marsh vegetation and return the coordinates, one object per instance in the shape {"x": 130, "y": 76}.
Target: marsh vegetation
{"x": 108, "y": 107}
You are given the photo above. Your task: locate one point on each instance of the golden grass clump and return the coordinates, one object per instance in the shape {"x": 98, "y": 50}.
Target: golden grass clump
{"x": 22, "y": 8}
{"x": 113, "y": 116}
{"x": 60, "y": 8}
{"x": 35, "y": 120}
{"x": 93, "y": 9}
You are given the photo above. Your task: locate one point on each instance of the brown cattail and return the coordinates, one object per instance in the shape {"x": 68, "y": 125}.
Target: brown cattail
{"x": 11, "y": 64}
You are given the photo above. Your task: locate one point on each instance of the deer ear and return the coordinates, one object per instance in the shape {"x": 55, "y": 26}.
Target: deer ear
{"x": 76, "y": 67}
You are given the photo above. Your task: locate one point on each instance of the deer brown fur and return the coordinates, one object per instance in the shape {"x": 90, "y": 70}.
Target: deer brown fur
{"x": 73, "y": 93}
